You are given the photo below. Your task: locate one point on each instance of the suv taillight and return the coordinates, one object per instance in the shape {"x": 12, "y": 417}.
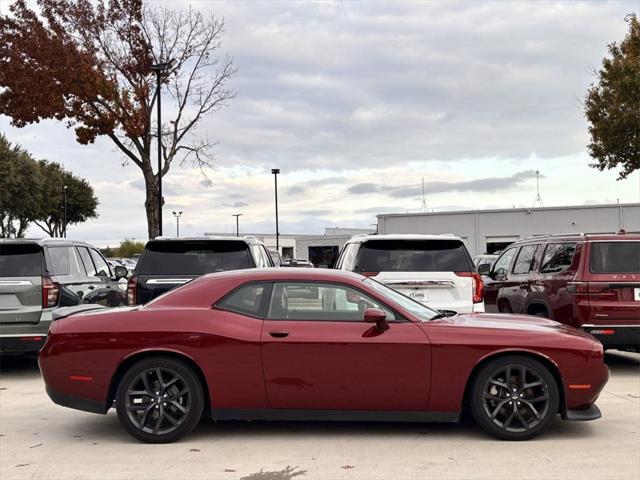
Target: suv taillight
{"x": 50, "y": 293}
{"x": 131, "y": 290}
{"x": 477, "y": 285}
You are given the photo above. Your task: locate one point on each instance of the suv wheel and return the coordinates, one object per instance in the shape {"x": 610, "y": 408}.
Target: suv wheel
{"x": 514, "y": 398}
{"x": 159, "y": 400}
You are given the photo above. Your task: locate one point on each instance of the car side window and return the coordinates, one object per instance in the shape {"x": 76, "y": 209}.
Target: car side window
{"x": 246, "y": 300}
{"x": 347, "y": 259}
{"x": 501, "y": 266}
{"x": 557, "y": 257}
{"x": 60, "y": 258}
{"x": 258, "y": 257}
{"x": 102, "y": 268}
{"x": 525, "y": 260}
{"x": 87, "y": 262}
{"x": 320, "y": 302}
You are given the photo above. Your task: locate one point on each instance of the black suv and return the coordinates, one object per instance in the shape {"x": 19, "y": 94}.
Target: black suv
{"x": 167, "y": 263}
{"x": 37, "y": 276}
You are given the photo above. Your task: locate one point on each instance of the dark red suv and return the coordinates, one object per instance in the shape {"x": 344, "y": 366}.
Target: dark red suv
{"x": 587, "y": 281}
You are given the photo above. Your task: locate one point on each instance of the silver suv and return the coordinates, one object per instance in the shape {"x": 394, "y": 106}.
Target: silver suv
{"x": 37, "y": 276}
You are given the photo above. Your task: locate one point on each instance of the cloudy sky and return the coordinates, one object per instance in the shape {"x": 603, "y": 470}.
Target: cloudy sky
{"x": 356, "y": 102}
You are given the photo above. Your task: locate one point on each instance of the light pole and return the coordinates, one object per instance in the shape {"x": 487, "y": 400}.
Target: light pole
{"x": 64, "y": 211}
{"x": 237, "y": 215}
{"x": 275, "y": 172}
{"x": 160, "y": 68}
{"x": 177, "y": 215}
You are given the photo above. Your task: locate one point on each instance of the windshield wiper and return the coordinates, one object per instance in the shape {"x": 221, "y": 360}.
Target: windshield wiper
{"x": 439, "y": 315}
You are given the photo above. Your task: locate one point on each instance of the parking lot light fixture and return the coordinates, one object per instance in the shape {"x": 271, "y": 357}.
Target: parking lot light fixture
{"x": 275, "y": 172}
{"x": 237, "y": 215}
{"x": 177, "y": 215}
{"x": 161, "y": 69}
{"x": 64, "y": 211}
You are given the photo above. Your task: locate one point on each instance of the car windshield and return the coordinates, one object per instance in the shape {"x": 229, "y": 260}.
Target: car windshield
{"x": 20, "y": 260}
{"x": 194, "y": 258}
{"x": 418, "y": 310}
{"x": 413, "y": 256}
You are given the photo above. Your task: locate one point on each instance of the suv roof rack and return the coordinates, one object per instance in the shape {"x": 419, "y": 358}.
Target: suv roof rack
{"x": 554, "y": 235}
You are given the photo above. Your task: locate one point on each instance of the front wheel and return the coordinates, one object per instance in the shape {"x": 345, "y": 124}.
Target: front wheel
{"x": 514, "y": 398}
{"x": 159, "y": 400}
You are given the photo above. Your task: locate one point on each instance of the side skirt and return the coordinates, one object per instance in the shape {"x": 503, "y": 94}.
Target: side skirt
{"x": 277, "y": 414}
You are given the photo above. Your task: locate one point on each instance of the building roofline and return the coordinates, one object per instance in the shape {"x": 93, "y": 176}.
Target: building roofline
{"x": 504, "y": 210}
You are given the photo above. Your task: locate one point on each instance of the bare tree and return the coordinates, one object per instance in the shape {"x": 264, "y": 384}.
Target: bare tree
{"x": 89, "y": 64}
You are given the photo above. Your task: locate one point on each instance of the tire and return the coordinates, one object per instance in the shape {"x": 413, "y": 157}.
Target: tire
{"x": 514, "y": 413}
{"x": 166, "y": 413}
{"x": 541, "y": 314}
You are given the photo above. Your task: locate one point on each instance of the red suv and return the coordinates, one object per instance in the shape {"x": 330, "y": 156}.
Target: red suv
{"x": 587, "y": 281}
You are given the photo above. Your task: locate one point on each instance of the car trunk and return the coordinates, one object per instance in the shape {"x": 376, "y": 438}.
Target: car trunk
{"x": 21, "y": 269}
{"x": 614, "y": 283}
{"x": 434, "y": 272}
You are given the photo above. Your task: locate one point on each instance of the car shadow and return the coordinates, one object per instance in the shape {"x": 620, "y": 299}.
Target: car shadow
{"x": 19, "y": 366}
{"x": 619, "y": 361}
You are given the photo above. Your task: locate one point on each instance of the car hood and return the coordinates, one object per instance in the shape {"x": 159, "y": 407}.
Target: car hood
{"x": 523, "y": 323}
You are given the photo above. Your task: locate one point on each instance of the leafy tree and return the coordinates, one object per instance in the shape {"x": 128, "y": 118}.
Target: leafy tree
{"x": 81, "y": 201}
{"x": 128, "y": 248}
{"x": 612, "y": 106}
{"x": 107, "y": 252}
{"x": 20, "y": 189}
{"x": 88, "y": 63}
{"x": 32, "y": 191}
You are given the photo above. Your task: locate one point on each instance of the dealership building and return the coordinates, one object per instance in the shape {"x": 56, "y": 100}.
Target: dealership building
{"x": 489, "y": 231}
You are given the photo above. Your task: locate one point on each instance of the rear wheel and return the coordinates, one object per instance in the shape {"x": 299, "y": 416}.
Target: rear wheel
{"x": 514, "y": 398}
{"x": 159, "y": 400}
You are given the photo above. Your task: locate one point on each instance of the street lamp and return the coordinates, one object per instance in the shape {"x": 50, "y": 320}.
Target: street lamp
{"x": 64, "y": 211}
{"x": 177, "y": 215}
{"x": 275, "y": 172}
{"x": 237, "y": 215}
{"x": 160, "y": 69}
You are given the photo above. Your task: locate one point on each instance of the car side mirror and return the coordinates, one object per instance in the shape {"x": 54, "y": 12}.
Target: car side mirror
{"x": 120, "y": 272}
{"x": 484, "y": 269}
{"x": 377, "y": 316}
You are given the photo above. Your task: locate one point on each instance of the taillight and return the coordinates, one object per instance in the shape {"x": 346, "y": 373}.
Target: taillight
{"x": 131, "y": 290}
{"x": 50, "y": 293}
{"x": 477, "y": 285}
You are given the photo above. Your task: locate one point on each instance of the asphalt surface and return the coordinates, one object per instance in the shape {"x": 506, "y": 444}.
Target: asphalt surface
{"x": 40, "y": 440}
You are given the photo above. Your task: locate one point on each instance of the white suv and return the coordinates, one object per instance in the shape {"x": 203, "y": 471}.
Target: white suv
{"x": 433, "y": 269}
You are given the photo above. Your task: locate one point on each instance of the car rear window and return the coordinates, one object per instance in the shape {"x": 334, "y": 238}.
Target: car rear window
{"x": 413, "y": 256}
{"x": 20, "y": 260}
{"x": 194, "y": 258}
{"x": 615, "y": 257}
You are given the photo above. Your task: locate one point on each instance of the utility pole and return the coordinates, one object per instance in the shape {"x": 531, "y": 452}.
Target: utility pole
{"x": 64, "y": 211}
{"x": 538, "y": 198}
{"x": 275, "y": 172}
{"x": 160, "y": 69}
{"x": 237, "y": 215}
{"x": 177, "y": 215}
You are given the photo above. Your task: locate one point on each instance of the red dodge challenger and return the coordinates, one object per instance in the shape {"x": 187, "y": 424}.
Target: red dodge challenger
{"x": 301, "y": 344}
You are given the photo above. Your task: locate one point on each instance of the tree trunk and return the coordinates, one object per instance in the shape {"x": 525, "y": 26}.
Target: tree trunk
{"x": 151, "y": 204}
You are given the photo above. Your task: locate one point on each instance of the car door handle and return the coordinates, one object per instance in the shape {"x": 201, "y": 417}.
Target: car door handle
{"x": 279, "y": 334}
{"x": 91, "y": 287}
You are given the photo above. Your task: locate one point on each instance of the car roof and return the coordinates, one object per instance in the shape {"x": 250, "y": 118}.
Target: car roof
{"x": 53, "y": 242}
{"x": 402, "y": 236}
{"x": 210, "y": 238}
{"x": 275, "y": 274}
{"x": 580, "y": 237}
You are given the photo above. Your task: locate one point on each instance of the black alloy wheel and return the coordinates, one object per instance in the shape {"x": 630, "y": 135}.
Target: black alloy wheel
{"x": 515, "y": 398}
{"x": 159, "y": 400}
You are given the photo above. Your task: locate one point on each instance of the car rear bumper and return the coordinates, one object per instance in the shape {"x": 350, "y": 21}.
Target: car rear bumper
{"x": 591, "y": 413}
{"x": 21, "y": 343}
{"x": 616, "y": 336}
{"x": 77, "y": 403}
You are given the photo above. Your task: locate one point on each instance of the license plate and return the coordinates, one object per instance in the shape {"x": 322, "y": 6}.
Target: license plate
{"x": 636, "y": 294}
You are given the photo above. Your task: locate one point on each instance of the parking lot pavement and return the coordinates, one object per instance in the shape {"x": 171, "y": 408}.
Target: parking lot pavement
{"x": 40, "y": 440}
